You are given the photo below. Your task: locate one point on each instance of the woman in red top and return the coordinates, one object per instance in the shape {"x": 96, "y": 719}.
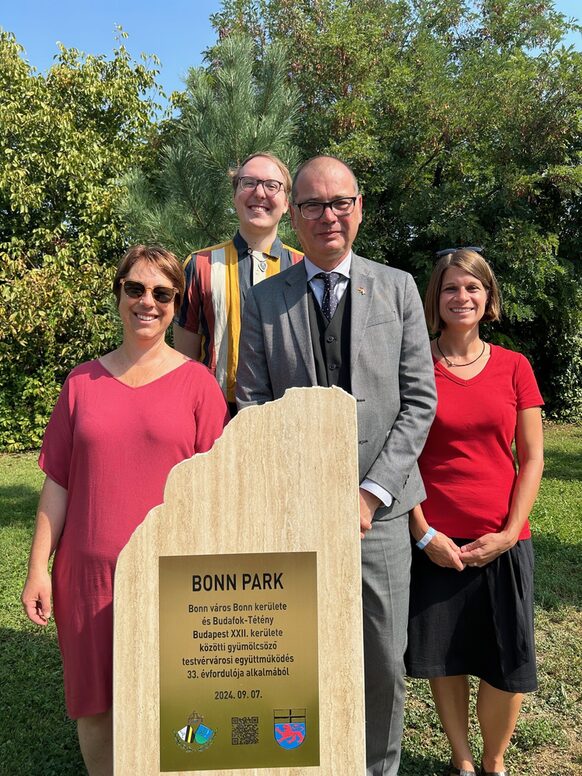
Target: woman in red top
{"x": 471, "y": 608}
{"x": 120, "y": 424}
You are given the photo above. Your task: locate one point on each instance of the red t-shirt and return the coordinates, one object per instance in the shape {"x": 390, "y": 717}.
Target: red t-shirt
{"x": 467, "y": 464}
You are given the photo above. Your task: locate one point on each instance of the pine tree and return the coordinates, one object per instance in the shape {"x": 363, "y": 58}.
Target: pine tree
{"x": 233, "y": 107}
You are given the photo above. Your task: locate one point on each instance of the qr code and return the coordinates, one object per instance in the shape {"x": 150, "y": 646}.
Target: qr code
{"x": 245, "y": 730}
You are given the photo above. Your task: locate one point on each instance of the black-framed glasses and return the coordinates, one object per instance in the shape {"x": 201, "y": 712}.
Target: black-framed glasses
{"x": 476, "y": 248}
{"x": 270, "y": 186}
{"x": 135, "y": 290}
{"x": 342, "y": 206}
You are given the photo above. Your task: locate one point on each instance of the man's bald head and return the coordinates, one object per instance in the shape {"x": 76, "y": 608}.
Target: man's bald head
{"x": 320, "y": 163}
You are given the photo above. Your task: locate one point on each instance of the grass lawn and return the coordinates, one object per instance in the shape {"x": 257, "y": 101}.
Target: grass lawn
{"x": 36, "y": 738}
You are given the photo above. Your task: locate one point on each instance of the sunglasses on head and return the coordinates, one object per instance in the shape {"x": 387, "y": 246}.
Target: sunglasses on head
{"x": 476, "y": 248}
{"x": 135, "y": 290}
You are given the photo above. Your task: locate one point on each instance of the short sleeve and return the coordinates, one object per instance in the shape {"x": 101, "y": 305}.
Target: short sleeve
{"x": 57, "y": 445}
{"x": 188, "y": 315}
{"x": 528, "y": 393}
{"x": 211, "y": 412}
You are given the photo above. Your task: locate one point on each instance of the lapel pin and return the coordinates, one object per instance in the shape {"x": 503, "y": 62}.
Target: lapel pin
{"x": 361, "y": 290}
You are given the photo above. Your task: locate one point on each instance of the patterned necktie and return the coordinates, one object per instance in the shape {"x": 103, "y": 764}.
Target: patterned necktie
{"x": 329, "y": 301}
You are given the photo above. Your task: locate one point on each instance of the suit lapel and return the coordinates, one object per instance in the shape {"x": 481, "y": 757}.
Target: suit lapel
{"x": 361, "y": 289}
{"x": 295, "y": 293}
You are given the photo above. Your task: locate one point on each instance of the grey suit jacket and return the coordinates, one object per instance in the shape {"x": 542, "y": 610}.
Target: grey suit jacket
{"x": 391, "y": 367}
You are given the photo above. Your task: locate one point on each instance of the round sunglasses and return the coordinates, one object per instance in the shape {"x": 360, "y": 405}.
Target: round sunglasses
{"x": 135, "y": 290}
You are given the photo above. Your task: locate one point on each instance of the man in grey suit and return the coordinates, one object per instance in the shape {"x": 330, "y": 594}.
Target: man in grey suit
{"x": 339, "y": 319}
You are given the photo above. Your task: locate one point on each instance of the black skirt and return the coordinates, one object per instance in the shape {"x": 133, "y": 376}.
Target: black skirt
{"x": 476, "y": 622}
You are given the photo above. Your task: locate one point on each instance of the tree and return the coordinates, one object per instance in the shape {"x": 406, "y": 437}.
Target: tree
{"x": 231, "y": 108}
{"x": 462, "y": 123}
{"x": 65, "y": 138}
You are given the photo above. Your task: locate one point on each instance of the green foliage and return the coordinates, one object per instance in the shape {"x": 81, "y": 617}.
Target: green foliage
{"x": 462, "y": 123}
{"x": 55, "y": 317}
{"x": 233, "y": 107}
{"x": 65, "y": 138}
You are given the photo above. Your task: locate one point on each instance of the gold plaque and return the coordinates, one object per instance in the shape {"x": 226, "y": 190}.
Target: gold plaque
{"x": 238, "y": 661}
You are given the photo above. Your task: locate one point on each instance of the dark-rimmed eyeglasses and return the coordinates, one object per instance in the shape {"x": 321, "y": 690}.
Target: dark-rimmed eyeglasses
{"x": 270, "y": 186}
{"x": 135, "y": 290}
{"x": 476, "y": 248}
{"x": 342, "y": 206}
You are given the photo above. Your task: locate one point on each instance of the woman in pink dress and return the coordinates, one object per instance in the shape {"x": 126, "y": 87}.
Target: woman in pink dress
{"x": 120, "y": 424}
{"x": 471, "y": 597}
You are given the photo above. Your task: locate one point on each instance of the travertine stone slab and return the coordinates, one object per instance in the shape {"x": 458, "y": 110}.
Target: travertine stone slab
{"x": 282, "y": 478}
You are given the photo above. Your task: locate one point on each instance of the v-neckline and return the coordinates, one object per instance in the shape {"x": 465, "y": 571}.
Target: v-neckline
{"x": 461, "y": 380}
{"x": 145, "y": 385}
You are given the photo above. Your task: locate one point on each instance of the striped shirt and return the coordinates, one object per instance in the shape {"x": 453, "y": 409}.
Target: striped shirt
{"x": 217, "y": 281}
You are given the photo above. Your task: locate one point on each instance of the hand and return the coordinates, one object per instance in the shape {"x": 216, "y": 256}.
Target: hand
{"x": 369, "y": 503}
{"x": 36, "y": 597}
{"x": 444, "y": 552}
{"x": 485, "y": 549}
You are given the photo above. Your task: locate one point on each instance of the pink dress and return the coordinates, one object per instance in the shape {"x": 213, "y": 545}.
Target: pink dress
{"x": 111, "y": 447}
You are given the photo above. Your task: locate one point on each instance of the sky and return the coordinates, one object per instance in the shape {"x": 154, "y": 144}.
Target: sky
{"x": 177, "y": 31}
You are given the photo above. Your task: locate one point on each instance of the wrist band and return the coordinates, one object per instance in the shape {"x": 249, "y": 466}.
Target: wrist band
{"x": 421, "y": 543}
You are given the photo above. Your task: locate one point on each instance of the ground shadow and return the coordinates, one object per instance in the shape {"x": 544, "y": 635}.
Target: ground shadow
{"x": 558, "y": 572}
{"x": 18, "y": 504}
{"x": 419, "y": 765}
{"x": 562, "y": 465}
{"x": 36, "y": 737}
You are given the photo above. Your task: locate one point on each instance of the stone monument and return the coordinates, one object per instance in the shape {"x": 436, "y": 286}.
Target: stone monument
{"x": 237, "y": 610}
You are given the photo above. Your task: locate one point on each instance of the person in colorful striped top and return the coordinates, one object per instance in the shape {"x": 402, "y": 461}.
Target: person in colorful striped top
{"x": 207, "y": 324}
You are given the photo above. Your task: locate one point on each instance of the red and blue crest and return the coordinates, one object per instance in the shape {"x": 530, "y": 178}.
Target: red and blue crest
{"x": 289, "y": 727}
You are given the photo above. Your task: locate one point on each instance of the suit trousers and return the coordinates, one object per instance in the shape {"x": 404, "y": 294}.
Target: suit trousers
{"x": 385, "y": 595}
